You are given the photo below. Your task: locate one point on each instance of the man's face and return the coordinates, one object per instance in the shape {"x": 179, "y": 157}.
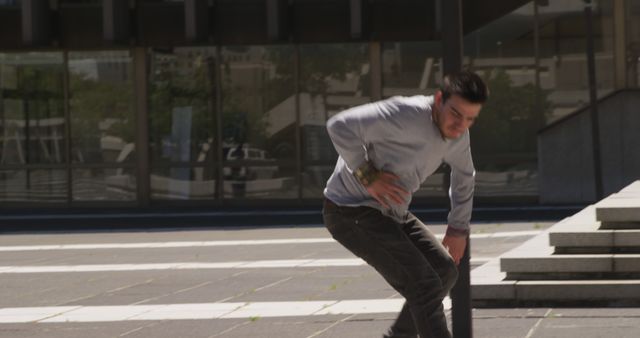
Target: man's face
{"x": 456, "y": 115}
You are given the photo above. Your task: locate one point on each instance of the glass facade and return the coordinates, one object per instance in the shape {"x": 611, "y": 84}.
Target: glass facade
{"x": 632, "y": 57}
{"x": 536, "y": 78}
{"x": 563, "y": 72}
{"x": 182, "y": 99}
{"x": 259, "y": 122}
{"x": 504, "y": 135}
{"x": 33, "y": 127}
{"x": 239, "y": 123}
{"x": 102, "y": 120}
{"x": 333, "y": 77}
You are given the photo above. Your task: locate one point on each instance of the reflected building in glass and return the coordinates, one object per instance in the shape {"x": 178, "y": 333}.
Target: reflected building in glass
{"x": 198, "y": 110}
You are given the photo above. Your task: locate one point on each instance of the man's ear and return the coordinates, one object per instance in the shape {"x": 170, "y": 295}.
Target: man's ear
{"x": 438, "y": 98}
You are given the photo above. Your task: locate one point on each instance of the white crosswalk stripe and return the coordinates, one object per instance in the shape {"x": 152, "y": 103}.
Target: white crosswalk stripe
{"x": 193, "y": 244}
{"x": 69, "y": 314}
{"x": 287, "y": 263}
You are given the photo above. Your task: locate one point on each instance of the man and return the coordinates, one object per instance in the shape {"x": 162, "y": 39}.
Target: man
{"x": 387, "y": 149}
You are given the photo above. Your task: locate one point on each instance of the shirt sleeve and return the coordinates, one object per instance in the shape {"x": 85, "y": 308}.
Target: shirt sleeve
{"x": 354, "y": 130}
{"x": 462, "y": 188}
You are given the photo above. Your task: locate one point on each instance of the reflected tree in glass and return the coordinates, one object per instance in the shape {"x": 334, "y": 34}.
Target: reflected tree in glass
{"x": 333, "y": 77}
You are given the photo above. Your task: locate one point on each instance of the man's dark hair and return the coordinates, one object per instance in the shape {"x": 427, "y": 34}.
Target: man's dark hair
{"x": 465, "y": 84}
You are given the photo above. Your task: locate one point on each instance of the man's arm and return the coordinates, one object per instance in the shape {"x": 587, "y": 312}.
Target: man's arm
{"x": 461, "y": 196}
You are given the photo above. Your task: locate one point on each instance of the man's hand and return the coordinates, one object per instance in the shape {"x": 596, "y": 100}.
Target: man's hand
{"x": 385, "y": 190}
{"x": 455, "y": 245}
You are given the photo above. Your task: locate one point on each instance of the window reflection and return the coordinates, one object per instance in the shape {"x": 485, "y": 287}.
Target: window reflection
{"x": 333, "y": 77}
{"x": 504, "y": 136}
{"x": 186, "y": 183}
{"x": 633, "y": 43}
{"x": 414, "y": 68}
{"x": 38, "y": 185}
{"x": 563, "y": 63}
{"x": 32, "y": 126}
{"x": 10, "y": 3}
{"x": 181, "y": 110}
{"x": 102, "y": 124}
{"x": 101, "y": 107}
{"x": 258, "y": 122}
{"x": 103, "y": 184}
{"x": 31, "y": 90}
{"x": 411, "y": 68}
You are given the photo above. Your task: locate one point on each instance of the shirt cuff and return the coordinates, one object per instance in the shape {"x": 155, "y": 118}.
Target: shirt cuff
{"x": 453, "y": 232}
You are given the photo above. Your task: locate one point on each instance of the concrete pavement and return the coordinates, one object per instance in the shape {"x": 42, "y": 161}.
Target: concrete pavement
{"x": 285, "y": 281}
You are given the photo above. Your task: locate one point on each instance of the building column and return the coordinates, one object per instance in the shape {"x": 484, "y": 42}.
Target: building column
{"x": 375, "y": 67}
{"x": 451, "y": 35}
{"x": 620, "y": 44}
{"x": 142, "y": 125}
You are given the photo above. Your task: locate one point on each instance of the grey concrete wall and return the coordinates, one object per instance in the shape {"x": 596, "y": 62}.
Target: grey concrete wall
{"x": 565, "y": 152}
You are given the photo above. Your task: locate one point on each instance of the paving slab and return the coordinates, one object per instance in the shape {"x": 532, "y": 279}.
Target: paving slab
{"x": 71, "y": 330}
{"x": 503, "y": 327}
{"x": 588, "y": 328}
{"x": 286, "y": 327}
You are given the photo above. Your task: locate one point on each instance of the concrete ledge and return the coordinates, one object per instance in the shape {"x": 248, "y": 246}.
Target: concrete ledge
{"x": 559, "y": 263}
{"x": 567, "y": 264}
{"x": 632, "y": 188}
{"x": 565, "y": 291}
{"x": 606, "y": 225}
{"x": 626, "y": 237}
{"x": 560, "y": 279}
{"x": 488, "y": 282}
{"x": 625, "y": 208}
{"x": 497, "y": 292}
{"x": 571, "y": 276}
{"x": 626, "y": 263}
{"x": 601, "y": 238}
{"x": 595, "y": 242}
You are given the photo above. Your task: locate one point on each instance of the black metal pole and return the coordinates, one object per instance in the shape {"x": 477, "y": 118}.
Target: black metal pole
{"x": 593, "y": 102}
{"x": 461, "y": 318}
{"x": 451, "y": 28}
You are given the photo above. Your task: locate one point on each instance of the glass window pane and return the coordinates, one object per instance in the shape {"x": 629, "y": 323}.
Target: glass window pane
{"x": 182, "y": 183}
{"x": 104, "y": 184}
{"x": 31, "y": 89}
{"x": 503, "y": 139}
{"x": 182, "y": 102}
{"x": 411, "y": 68}
{"x": 10, "y": 3}
{"x": 259, "y": 122}
{"x": 262, "y": 181}
{"x": 414, "y": 68}
{"x": 101, "y": 107}
{"x": 181, "y": 105}
{"x": 563, "y": 63}
{"x": 80, "y": 2}
{"x": 333, "y": 77}
{"x": 633, "y": 42}
{"x": 38, "y": 185}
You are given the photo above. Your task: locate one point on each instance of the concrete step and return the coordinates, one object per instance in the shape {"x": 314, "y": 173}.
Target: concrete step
{"x": 551, "y": 267}
{"x": 600, "y": 242}
{"x": 620, "y": 210}
{"x": 588, "y": 238}
{"x": 489, "y": 288}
